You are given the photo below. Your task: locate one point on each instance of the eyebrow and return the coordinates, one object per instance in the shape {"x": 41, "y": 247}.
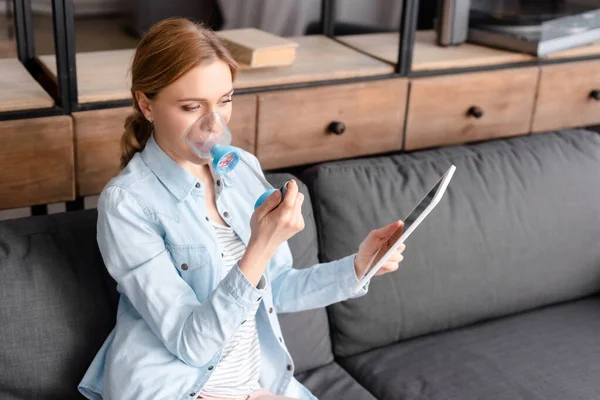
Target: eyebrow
{"x": 200, "y": 99}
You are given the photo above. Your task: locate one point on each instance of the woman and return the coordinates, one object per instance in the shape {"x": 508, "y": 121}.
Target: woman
{"x": 201, "y": 274}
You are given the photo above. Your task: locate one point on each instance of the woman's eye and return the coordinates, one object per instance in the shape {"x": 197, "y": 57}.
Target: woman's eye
{"x": 229, "y": 100}
{"x": 191, "y": 108}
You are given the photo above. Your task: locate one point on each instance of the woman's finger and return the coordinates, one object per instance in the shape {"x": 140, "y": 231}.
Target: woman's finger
{"x": 395, "y": 259}
{"x": 290, "y": 196}
{"x": 298, "y": 208}
{"x": 390, "y": 266}
{"x": 387, "y": 267}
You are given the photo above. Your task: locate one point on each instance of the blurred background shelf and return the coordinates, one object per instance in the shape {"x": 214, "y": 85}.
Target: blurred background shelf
{"x": 19, "y": 91}
{"x": 428, "y": 55}
{"x": 101, "y": 75}
{"x": 583, "y": 51}
{"x": 104, "y": 75}
{"x": 318, "y": 58}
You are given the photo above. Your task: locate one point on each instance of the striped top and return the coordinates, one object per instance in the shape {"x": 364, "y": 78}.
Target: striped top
{"x": 237, "y": 373}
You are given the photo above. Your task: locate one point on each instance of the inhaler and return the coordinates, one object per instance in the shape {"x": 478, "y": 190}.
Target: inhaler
{"x": 209, "y": 137}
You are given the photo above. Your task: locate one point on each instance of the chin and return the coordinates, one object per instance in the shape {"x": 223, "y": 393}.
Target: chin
{"x": 199, "y": 161}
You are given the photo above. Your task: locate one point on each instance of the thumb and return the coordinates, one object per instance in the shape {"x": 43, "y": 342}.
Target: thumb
{"x": 272, "y": 202}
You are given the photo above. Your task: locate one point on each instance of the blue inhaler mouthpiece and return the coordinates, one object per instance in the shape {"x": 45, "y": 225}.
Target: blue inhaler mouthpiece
{"x": 209, "y": 137}
{"x": 225, "y": 158}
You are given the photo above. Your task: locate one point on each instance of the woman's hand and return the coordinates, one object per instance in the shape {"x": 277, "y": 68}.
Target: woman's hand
{"x": 374, "y": 240}
{"x": 273, "y": 222}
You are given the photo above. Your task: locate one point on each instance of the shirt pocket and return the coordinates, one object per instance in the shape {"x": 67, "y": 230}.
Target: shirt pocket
{"x": 193, "y": 263}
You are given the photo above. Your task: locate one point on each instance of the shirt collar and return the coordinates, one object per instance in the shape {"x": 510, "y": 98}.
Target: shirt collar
{"x": 176, "y": 179}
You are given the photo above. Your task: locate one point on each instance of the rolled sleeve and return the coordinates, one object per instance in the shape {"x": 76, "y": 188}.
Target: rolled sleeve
{"x": 348, "y": 279}
{"x": 241, "y": 289}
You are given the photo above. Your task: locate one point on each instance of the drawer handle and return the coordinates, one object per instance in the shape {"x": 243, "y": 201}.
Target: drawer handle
{"x": 476, "y": 112}
{"x": 595, "y": 94}
{"x": 336, "y": 128}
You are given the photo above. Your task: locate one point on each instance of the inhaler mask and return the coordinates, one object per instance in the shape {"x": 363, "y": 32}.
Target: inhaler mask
{"x": 209, "y": 137}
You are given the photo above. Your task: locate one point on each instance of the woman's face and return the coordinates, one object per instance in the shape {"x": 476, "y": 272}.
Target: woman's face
{"x": 202, "y": 90}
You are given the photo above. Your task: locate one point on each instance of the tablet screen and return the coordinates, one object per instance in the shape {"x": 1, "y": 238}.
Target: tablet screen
{"x": 408, "y": 221}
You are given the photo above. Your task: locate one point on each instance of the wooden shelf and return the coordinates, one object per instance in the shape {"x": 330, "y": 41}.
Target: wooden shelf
{"x": 428, "y": 55}
{"x": 317, "y": 58}
{"x": 583, "y": 51}
{"x": 19, "y": 90}
{"x": 383, "y": 46}
{"x": 101, "y": 75}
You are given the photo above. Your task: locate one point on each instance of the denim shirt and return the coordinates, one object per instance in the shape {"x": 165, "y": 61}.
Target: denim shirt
{"x": 177, "y": 309}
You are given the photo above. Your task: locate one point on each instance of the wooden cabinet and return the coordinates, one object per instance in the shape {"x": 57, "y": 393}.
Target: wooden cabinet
{"x": 310, "y": 125}
{"x": 98, "y": 137}
{"x": 98, "y": 149}
{"x": 36, "y": 161}
{"x": 569, "y": 96}
{"x": 470, "y": 107}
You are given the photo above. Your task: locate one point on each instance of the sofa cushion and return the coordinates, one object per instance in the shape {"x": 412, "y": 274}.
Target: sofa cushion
{"x": 57, "y": 304}
{"x": 332, "y": 382}
{"x": 518, "y": 228}
{"x": 551, "y": 353}
{"x": 306, "y": 333}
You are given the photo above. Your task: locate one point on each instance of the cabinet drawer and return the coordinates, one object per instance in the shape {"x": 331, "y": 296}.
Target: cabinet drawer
{"x": 36, "y": 161}
{"x": 310, "y": 125}
{"x": 470, "y": 107}
{"x": 569, "y": 96}
{"x": 98, "y": 136}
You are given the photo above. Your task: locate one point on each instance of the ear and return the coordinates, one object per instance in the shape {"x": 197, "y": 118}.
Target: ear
{"x": 145, "y": 104}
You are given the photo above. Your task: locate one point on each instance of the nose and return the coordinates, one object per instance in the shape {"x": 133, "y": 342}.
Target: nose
{"x": 209, "y": 122}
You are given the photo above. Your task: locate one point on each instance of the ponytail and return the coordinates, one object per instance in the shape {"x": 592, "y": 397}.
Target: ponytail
{"x": 137, "y": 132}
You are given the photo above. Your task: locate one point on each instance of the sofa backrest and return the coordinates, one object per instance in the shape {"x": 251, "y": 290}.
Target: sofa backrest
{"x": 57, "y": 304}
{"x": 518, "y": 228}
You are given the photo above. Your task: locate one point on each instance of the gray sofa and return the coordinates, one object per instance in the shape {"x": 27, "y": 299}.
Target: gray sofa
{"x": 496, "y": 298}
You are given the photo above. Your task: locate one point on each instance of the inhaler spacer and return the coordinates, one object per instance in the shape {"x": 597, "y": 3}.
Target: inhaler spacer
{"x": 209, "y": 137}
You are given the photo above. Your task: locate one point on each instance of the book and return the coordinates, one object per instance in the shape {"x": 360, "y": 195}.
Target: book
{"x": 255, "y": 48}
{"x": 542, "y": 38}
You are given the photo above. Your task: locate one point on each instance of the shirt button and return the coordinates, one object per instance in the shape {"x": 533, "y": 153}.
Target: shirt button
{"x": 222, "y": 255}
{"x": 218, "y": 182}
{"x": 280, "y": 339}
{"x": 289, "y": 367}
{"x": 259, "y": 299}
{"x": 243, "y": 322}
{"x": 184, "y": 267}
{"x": 270, "y": 310}
{"x": 197, "y": 185}
{"x": 211, "y": 368}
{"x": 192, "y": 394}
{"x": 226, "y": 214}
{"x": 206, "y": 218}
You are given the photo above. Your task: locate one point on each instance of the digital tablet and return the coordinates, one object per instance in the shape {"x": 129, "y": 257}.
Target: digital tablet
{"x": 411, "y": 222}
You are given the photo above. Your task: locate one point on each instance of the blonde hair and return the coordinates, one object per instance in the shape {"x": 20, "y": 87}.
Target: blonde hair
{"x": 166, "y": 52}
